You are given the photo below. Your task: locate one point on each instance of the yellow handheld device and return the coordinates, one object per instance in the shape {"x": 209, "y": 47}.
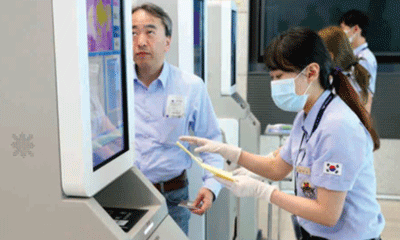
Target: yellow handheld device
{"x": 216, "y": 171}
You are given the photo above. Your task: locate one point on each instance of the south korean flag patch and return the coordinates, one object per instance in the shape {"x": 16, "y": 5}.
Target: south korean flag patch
{"x": 333, "y": 168}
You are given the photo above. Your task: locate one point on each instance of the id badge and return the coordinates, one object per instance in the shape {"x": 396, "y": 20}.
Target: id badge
{"x": 175, "y": 106}
{"x": 303, "y": 170}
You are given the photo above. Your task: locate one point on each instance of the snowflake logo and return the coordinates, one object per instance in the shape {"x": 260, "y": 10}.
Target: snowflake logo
{"x": 22, "y": 145}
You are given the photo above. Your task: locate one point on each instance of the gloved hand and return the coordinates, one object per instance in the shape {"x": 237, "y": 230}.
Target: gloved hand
{"x": 271, "y": 155}
{"x": 229, "y": 152}
{"x": 245, "y": 186}
{"x": 244, "y": 172}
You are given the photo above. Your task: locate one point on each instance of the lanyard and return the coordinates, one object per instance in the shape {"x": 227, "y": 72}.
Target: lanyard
{"x": 320, "y": 113}
{"x": 316, "y": 123}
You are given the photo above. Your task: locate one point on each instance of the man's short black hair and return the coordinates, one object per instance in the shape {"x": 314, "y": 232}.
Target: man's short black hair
{"x": 356, "y": 17}
{"x": 158, "y": 12}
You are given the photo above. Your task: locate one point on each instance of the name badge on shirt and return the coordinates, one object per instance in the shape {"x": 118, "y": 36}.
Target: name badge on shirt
{"x": 303, "y": 170}
{"x": 175, "y": 106}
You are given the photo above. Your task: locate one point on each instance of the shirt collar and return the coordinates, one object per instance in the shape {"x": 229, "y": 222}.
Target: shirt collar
{"x": 164, "y": 74}
{"x": 309, "y": 121}
{"x": 162, "y": 78}
{"x": 360, "y": 48}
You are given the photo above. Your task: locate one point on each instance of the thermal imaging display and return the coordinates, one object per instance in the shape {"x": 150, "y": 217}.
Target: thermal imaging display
{"x": 107, "y": 82}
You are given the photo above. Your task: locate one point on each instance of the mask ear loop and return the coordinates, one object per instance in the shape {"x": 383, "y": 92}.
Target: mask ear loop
{"x": 306, "y": 77}
{"x": 351, "y": 38}
{"x": 309, "y": 85}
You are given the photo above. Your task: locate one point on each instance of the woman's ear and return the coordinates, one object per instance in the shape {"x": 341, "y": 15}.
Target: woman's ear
{"x": 356, "y": 28}
{"x": 313, "y": 72}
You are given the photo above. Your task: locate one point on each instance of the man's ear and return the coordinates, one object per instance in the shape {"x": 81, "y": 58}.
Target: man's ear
{"x": 168, "y": 41}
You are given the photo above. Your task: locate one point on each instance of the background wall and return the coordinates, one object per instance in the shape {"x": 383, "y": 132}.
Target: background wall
{"x": 242, "y": 45}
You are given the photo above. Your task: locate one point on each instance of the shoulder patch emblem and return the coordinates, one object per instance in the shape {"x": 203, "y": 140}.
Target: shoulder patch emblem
{"x": 333, "y": 168}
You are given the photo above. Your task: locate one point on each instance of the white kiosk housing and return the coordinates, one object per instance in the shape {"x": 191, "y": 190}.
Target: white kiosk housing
{"x": 67, "y": 126}
{"x": 236, "y": 120}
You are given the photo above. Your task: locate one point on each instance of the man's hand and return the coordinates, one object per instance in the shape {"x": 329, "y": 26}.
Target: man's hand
{"x": 203, "y": 201}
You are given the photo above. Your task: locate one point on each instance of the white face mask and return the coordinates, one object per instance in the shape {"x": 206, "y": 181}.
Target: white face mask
{"x": 351, "y": 38}
{"x": 283, "y": 93}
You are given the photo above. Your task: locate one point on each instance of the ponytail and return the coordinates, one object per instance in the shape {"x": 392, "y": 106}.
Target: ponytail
{"x": 347, "y": 93}
{"x": 362, "y": 77}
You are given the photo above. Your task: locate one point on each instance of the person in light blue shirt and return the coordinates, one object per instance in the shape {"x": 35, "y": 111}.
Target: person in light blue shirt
{"x": 343, "y": 57}
{"x": 169, "y": 103}
{"x": 355, "y": 24}
{"x": 368, "y": 61}
{"x": 330, "y": 148}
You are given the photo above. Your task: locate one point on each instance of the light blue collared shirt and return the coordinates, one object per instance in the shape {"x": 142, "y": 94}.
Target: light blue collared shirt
{"x": 368, "y": 61}
{"x": 157, "y": 155}
{"x": 339, "y": 155}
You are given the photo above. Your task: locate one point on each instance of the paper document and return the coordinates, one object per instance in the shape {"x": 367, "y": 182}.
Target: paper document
{"x": 216, "y": 171}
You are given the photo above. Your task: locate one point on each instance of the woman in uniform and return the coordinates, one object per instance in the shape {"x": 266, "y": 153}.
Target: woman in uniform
{"x": 330, "y": 148}
{"x": 343, "y": 57}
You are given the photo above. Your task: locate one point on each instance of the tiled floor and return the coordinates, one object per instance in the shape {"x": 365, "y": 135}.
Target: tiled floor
{"x": 390, "y": 210}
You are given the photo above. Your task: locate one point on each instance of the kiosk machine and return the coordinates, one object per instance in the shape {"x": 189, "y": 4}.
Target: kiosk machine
{"x": 236, "y": 120}
{"x": 67, "y": 126}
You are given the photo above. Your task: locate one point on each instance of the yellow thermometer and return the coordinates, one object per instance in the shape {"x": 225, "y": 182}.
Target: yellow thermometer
{"x": 216, "y": 171}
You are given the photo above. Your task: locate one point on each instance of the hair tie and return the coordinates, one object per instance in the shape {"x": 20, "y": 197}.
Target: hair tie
{"x": 335, "y": 71}
{"x": 352, "y": 64}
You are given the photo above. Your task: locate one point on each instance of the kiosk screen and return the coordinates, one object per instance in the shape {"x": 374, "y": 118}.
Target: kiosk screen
{"x": 107, "y": 80}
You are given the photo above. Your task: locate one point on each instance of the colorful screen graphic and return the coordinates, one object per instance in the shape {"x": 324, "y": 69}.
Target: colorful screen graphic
{"x": 106, "y": 83}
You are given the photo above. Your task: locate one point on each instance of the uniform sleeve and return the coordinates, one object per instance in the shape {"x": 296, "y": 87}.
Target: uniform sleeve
{"x": 339, "y": 155}
{"x": 286, "y": 151}
{"x": 295, "y": 133}
{"x": 205, "y": 124}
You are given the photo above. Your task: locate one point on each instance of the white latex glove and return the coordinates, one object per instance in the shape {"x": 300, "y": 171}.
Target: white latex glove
{"x": 271, "y": 155}
{"x": 245, "y": 186}
{"x": 229, "y": 152}
{"x": 244, "y": 172}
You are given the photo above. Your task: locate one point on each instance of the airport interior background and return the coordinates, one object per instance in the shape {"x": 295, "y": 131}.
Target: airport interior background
{"x": 60, "y": 202}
